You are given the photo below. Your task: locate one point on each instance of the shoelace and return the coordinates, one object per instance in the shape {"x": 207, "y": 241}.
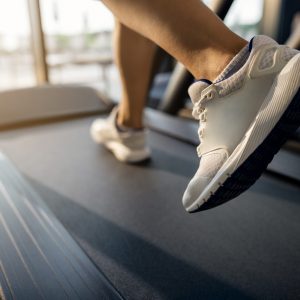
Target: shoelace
{"x": 199, "y": 113}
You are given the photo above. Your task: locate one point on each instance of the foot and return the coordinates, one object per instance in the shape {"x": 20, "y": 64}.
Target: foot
{"x": 244, "y": 120}
{"x": 127, "y": 146}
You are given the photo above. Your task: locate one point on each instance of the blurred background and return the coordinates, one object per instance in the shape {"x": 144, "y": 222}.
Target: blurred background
{"x": 77, "y": 35}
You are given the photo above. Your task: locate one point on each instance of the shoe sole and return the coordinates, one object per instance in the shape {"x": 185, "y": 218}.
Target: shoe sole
{"x": 239, "y": 173}
{"x": 121, "y": 152}
{"x": 124, "y": 154}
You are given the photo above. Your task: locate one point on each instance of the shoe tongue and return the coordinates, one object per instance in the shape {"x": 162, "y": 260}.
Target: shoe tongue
{"x": 242, "y": 57}
{"x": 196, "y": 88}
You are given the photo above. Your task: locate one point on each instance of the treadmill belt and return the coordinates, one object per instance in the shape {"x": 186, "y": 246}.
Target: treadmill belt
{"x": 130, "y": 221}
{"x": 38, "y": 258}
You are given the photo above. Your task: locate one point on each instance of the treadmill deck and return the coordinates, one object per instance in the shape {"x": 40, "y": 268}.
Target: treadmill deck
{"x": 130, "y": 221}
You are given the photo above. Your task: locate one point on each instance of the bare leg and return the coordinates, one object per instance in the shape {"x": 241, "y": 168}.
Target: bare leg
{"x": 237, "y": 135}
{"x": 134, "y": 57}
{"x": 188, "y": 30}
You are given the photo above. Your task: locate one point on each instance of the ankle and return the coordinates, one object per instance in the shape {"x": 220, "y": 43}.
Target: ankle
{"x": 211, "y": 62}
{"x": 127, "y": 122}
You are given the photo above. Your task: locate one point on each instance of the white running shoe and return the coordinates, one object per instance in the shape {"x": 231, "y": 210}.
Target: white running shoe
{"x": 127, "y": 146}
{"x": 244, "y": 120}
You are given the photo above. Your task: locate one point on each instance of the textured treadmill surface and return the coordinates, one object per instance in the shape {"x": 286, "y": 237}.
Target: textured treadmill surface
{"x": 130, "y": 220}
{"x": 39, "y": 259}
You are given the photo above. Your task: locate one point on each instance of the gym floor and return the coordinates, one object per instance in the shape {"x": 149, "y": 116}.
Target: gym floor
{"x": 130, "y": 221}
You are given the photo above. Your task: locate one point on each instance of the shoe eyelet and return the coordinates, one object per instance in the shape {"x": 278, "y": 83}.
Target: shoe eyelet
{"x": 209, "y": 96}
{"x": 203, "y": 117}
{"x": 201, "y": 132}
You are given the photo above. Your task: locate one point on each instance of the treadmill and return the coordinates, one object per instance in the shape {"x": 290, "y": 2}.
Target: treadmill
{"x": 71, "y": 213}
{"x": 77, "y": 224}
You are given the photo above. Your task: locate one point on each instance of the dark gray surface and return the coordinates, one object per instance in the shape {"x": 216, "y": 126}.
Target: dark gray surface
{"x": 130, "y": 220}
{"x": 38, "y": 257}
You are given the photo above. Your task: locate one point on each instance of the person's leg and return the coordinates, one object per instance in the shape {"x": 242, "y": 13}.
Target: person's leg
{"x": 188, "y": 30}
{"x": 122, "y": 132}
{"x": 134, "y": 56}
{"x": 248, "y": 105}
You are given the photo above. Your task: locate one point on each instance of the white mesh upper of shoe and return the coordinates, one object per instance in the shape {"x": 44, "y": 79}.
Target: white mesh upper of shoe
{"x": 209, "y": 165}
{"x": 218, "y": 141}
{"x": 211, "y": 162}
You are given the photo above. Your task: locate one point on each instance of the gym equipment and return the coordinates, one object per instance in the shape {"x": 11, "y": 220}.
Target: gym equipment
{"x": 38, "y": 257}
{"x": 130, "y": 221}
{"x": 75, "y": 223}
{"x": 49, "y": 102}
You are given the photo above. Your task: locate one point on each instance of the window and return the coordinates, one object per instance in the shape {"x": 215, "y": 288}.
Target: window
{"x": 244, "y": 17}
{"x": 78, "y": 37}
{"x": 16, "y": 59}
